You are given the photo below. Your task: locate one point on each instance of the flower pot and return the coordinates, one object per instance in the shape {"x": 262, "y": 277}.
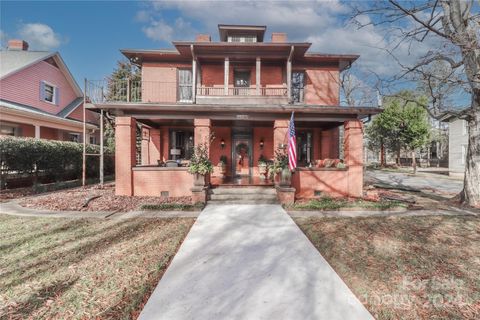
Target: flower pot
{"x": 198, "y": 180}
{"x": 262, "y": 170}
{"x": 285, "y": 177}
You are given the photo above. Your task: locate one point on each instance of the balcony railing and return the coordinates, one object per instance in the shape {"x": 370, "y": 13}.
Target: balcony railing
{"x": 136, "y": 91}
{"x": 242, "y": 91}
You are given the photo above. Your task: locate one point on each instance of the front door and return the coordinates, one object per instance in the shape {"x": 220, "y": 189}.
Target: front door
{"x": 242, "y": 156}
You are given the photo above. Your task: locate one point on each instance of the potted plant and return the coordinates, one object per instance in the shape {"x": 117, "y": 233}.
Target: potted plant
{"x": 200, "y": 165}
{"x": 222, "y": 164}
{"x": 262, "y": 166}
{"x": 280, "y": 166}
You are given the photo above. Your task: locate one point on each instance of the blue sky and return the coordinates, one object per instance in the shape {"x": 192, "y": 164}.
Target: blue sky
{"x": 89, "y": 34}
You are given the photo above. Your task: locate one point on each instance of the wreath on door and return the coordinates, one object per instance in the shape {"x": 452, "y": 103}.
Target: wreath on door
{"x": 241, "y": 149}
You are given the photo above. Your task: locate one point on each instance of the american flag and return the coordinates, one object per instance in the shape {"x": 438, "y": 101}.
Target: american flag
{"x": 292, "y": 146}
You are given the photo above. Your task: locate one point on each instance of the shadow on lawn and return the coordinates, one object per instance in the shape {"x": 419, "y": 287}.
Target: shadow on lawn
{"x": 37, "y": 300}
{"x": 120, "y": 232}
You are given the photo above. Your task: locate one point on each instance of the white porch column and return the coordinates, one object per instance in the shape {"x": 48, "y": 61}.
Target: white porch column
{"x": 194, "y": 79}
{"x": 258, "y": 72}
{"x": 37, "y": 132}
{"x": 289, "y": 75}
{"x": 226, "y": 73}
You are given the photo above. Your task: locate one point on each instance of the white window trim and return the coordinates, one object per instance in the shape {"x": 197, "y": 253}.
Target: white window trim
{"x": 55, "y": 88}
{"x": 464, "y": 127}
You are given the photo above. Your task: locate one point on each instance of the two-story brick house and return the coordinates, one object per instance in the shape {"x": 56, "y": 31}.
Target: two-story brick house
{"x": 40, "y": 98}
{"x": 242, "y": 90}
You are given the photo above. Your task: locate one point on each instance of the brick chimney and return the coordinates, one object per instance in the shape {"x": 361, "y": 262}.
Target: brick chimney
{"x": 279, "y": 37}
{"x": 15, "y": 44}
{"x": 203, "y": 38}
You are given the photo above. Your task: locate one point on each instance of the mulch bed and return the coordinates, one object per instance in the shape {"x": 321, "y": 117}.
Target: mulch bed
{"x": 75, "y": 199}
{"x": 10, "y": 194}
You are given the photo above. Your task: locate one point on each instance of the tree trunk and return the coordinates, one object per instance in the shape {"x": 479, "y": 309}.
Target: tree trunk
{"x": 383, "y": 162}
{"x": 471, "y": 184}
{"x": 398, "y": 157}
{"x": 414, "y": 162}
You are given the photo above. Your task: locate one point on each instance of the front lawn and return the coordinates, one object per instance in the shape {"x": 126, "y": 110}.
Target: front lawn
{"x": 405, "y": 267}
{"x": 58, "y": 268}
{"x": 331, "y": 204}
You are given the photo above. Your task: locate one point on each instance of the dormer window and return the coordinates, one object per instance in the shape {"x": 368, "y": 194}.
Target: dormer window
{"x": 243, "y": 38}
{"x": 48, "y": 92}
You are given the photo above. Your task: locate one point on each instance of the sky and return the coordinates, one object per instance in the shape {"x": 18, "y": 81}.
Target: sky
{"x": 89, "y": 34}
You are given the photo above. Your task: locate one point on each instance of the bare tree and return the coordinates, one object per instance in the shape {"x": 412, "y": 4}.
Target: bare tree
{"x": 356, "y": 92}
{"x": 454, "y": 25}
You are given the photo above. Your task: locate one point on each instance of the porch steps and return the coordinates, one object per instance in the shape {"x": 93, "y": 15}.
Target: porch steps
{"x": 243, "y": 195}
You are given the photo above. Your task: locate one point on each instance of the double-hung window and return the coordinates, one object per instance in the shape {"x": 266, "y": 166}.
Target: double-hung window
{"x": 49, "y": 93}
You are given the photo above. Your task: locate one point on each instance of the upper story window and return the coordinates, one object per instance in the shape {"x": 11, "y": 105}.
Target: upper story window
{"x": 298, "y": 84}
{"x": 242, "y": 38}
{"x": 49, "y": 93}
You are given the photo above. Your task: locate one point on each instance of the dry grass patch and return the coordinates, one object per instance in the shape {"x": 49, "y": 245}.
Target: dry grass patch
{"x": 104, "y": 199}
{"x": 405, "y": 267}
{"x": 55, "y": 268}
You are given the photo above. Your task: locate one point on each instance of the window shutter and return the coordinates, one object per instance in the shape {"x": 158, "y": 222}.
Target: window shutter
{"x": 57, "y": 95}
{"x": 42, "y": 91}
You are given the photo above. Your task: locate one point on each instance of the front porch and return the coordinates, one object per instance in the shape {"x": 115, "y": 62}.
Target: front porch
{"x": 152, "y": 155}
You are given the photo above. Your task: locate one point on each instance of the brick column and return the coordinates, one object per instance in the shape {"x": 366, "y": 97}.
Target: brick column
{"x": 125, "y": 148}
{"x": 353, "y": 149}
{"x": 154, "y": 146}
{"x": 145, "y": 152}
{"x": 202, "y": 131}
{"x": 280, "y": 129}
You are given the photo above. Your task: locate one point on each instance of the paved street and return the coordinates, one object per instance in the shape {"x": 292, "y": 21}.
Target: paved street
{"x": 419, "y": 181}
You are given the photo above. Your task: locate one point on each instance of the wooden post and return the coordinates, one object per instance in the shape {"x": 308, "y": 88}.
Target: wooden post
{"x": 128, "y": 89}
{"x": 37, "y": 132}
{"x": 257, "y": 72}
{"x": 101, "y": 148}
{"x": 84, "y": 158}
{"x": 226, "y": 73}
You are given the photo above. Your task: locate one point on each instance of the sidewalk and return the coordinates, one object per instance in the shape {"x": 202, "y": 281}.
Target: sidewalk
{"x": 250, "y": 262}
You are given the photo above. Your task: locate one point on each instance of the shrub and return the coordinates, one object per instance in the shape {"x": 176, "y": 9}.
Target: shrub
{"x": 49, "y": 157}
{"x": 200, "y": 162}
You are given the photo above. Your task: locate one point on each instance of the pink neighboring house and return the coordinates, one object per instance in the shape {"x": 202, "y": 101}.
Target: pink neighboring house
{"x": 40, "y": 98}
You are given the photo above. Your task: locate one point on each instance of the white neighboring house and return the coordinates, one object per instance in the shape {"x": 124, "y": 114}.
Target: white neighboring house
{"x": 457, "y": 144}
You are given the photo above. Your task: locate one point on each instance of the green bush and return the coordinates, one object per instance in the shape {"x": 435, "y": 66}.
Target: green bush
{"x": 58, "y": 159}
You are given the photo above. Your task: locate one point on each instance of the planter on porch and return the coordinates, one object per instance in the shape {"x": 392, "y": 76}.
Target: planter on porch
{"x": 198, "y": 180}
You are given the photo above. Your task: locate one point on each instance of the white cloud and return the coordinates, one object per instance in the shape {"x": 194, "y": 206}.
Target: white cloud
{"x": 39, "y": 36}
{"x": 321, "y": 22}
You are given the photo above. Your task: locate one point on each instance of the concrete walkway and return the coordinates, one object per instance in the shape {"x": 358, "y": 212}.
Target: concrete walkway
{"x": 15, "y": 209}
{"x": 250, "y": 262}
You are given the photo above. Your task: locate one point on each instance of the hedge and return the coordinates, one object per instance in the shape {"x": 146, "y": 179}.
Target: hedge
{"x": 59, "y": 159}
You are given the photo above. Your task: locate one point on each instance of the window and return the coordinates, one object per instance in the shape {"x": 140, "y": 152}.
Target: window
{"x": 464, "y": 127}
{"x": 74, "y": 137}
{"x": 7, "y": 130}
{"x": 243, "y": 38}
{"x": 49, "y": 93}
{"x": 93, "y": 140}
{"x": 181, "y": 144}
{"x": 464, "y": 153}
{"x": 241, "y": 80}
{"x": 185, "y": 85}
{"x": 298, "y": 83}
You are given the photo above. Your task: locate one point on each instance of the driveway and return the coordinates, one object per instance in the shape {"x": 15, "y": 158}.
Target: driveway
{"x": 250, "y": 262}
{"x": 419, "y": 181}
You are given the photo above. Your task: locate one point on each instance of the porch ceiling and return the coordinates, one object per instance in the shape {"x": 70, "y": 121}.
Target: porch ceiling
{"x": 238, "y": 112}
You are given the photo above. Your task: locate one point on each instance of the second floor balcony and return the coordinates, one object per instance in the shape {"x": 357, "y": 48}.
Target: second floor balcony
{"x": 138, "y": 91}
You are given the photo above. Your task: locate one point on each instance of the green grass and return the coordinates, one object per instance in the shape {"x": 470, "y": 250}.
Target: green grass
{"x": 58, "y": 268}
{"x": 405, "y": 267}
{"x": 173, "y": 207}
{"x": 326, "y": 203}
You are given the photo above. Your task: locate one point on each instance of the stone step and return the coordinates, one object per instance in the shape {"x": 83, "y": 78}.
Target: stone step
{"x": 243, "y": 190}
{"x": 238, "y": 201}
{"x": 250, "y": 196}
